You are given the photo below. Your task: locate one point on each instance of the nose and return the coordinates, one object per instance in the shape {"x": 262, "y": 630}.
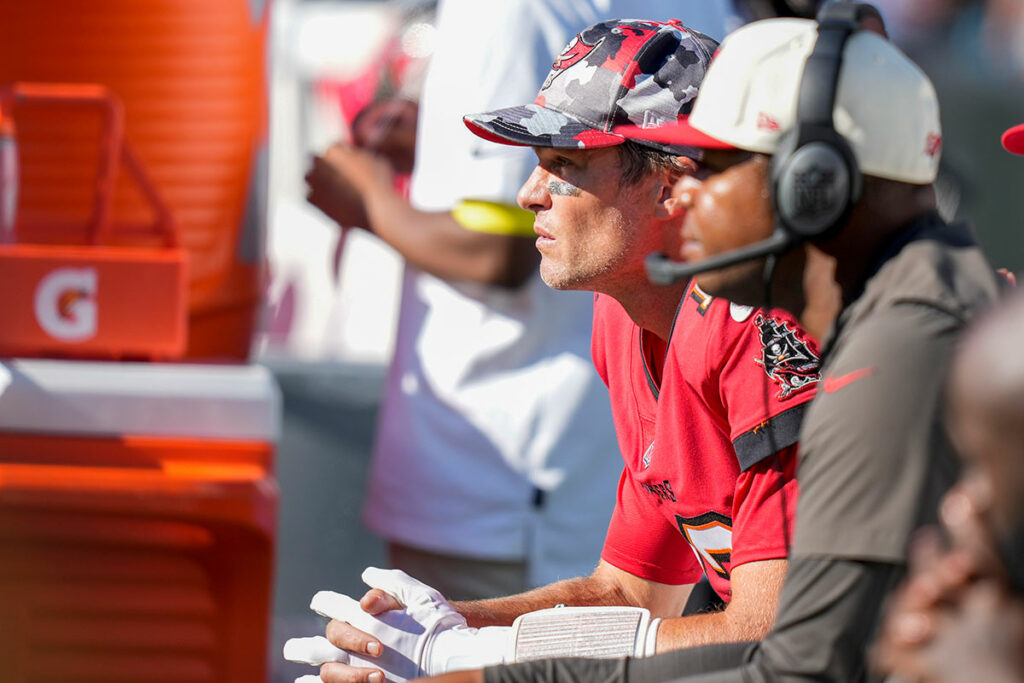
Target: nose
{"x": 534, "y": 195}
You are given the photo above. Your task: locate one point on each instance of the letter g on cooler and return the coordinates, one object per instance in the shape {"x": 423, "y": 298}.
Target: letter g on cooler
{"x": 65, "y": 304}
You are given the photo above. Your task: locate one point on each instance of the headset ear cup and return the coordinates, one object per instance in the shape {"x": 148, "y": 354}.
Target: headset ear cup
{"x": 816, "y": 186}
{"x": 779, "y": 169}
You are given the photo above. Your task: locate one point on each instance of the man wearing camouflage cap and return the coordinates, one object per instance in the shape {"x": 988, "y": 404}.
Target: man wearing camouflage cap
{"x": 705, "y": 415}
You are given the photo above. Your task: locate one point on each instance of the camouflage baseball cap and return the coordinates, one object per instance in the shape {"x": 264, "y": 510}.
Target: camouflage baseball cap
{"x": 618, "y": 72}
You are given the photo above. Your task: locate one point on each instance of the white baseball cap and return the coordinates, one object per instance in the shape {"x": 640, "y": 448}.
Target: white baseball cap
{"x": 886, "y": 107}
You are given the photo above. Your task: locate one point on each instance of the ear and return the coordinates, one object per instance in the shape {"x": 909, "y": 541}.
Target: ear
{"x": 669, "y": 204}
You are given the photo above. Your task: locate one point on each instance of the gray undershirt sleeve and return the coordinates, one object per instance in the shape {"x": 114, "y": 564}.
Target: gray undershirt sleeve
{"x": 828, "y": 615}
{"x": 567, "y": 670}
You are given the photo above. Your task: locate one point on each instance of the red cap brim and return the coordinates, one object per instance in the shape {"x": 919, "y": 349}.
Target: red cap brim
{"x": 1013, "y": 139}
{"x": 676, "y": 133}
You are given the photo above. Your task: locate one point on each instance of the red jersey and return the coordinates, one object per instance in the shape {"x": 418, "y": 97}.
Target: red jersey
{"x": 710, "y": 445}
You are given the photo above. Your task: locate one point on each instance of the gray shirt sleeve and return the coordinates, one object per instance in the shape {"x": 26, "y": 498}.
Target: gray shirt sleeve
{"x": 875, "y": 458}
{"x": 827, "y": 617}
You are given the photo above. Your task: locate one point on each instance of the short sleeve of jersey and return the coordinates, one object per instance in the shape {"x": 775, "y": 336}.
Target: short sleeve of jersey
{"x": 764, "y": 381}
{"x": 875, "y": 458}
{"x": 641, "y": 540}
{"x": 764, "y": 509}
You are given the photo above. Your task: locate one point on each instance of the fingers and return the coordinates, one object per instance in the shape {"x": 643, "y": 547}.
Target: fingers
{"x": 963, "y": 512}
{"x": 315, "y": 651}
{"x": 927, "y": 546}
{"x": 912, "y": 627}
{"x": 342, "y": 634}
{"x": 342, "y": 610}
{"x": 905, "y": 634}
{"x": 376, "y": 602}
{"x": 407, "y": 590}
{"x": 334, "y": 605}
{"x": 333, "y": 672}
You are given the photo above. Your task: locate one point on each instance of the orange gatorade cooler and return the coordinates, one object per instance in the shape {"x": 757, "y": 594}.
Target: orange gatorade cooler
{"x": 137, "y": 513}
{"x": 189, "y": 78}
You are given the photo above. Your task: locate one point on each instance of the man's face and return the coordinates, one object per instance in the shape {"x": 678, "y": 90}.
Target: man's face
{"x": 727, "y": 207}
{"x": 593, "y": 230}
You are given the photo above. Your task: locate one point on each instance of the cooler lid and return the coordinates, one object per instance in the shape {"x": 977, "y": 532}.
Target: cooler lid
{"x": 240, "y": 402}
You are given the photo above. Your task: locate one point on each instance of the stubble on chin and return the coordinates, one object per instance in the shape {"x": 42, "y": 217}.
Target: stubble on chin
{"x": 555, "y": 277}
{"x": 593, "y": 260}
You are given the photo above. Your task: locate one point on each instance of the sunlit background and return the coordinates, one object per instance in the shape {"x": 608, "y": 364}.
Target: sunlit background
{"x": 328, "y": 312}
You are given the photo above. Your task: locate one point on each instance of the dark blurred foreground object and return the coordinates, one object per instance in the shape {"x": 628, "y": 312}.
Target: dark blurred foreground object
{"x": 752, "y": 10}
{"x": 960, "y": 614}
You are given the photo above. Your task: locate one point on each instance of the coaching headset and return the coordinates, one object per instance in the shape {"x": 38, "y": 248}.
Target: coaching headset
{"x": 815, "y": 179}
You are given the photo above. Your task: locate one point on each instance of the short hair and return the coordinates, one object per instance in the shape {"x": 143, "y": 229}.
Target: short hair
{"x": 638, "y": 160}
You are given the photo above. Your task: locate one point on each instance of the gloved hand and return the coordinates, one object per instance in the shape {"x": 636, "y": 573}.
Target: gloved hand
{"x": 426, "y": 637}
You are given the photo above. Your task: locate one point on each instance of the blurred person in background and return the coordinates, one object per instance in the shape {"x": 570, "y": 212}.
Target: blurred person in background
{"x": 973, "y": 52}
{"x": 494, "y": 431}
{"x": 988, "y": 32}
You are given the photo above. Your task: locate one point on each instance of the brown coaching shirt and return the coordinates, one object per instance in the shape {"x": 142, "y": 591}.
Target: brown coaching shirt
{"x": 875, "y": 456}
{"x": 875, "y": 460}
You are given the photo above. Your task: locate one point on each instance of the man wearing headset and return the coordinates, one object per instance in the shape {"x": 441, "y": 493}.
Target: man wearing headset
{"x": 850, "y": 176}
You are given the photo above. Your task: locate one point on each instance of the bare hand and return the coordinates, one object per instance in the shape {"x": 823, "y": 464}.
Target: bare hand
{"x": 340, "y": 181}
{"x": 976, "y": 637}
{"x": 916, "y": 609}
{"x": 388, "y": 128}
{"x": 965, "y": 513}
{"x": 954, "y": 619}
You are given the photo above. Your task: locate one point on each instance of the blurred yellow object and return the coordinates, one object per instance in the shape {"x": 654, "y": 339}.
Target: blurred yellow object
{"x": 494, "y": 218}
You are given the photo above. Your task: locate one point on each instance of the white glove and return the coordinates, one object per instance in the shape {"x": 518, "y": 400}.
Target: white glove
{"x": 426, "y": 637}
{"x": 315, "y": 651}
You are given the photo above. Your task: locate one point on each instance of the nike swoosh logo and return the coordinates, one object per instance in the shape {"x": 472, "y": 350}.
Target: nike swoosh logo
{"x": 833, "y": 384}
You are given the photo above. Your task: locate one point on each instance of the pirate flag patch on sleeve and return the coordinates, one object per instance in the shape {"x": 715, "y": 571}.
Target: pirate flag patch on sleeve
{"x": 787, "y": 360}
